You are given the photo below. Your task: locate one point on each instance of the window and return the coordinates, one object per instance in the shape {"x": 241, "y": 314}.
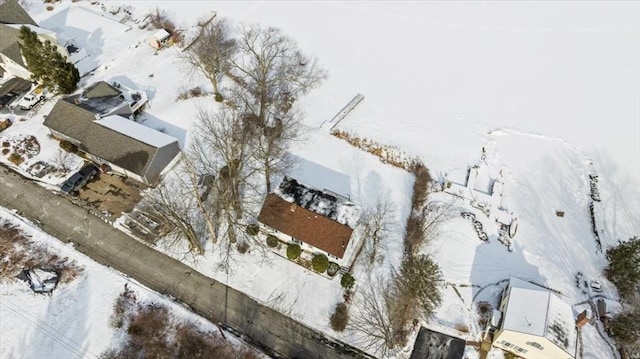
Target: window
{"x": 535, "y": 345}
{"x": 511, "y": 346}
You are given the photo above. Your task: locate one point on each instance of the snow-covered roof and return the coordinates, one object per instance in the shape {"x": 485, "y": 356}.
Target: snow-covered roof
{"x": 482, "y": 180}
{"x": 39, "y": 280}
{"x": 321, "y": 202}
{"x": 36, "y": 29}
{"x": 503, "y": 216}
{"x": 136, "y": 131}
{"x": 535, "y": 310}
{"x": 318, "y": 218}
{"x": 161, "y": 34}
{"x": 319, "y": 176}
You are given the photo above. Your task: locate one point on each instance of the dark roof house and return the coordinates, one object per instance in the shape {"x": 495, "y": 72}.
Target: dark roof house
{"x": 96, "y": 127}
{"x": 99, "y": 90}
{"x": 12, "y": 13}
{"x": 10, "y": 45}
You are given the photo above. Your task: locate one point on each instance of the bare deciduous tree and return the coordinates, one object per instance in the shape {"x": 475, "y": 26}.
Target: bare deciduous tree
{"x": 434, "y": 214}
{"x": 191, "y": 183}
{"x": 221, "y": 147}
{"x": 271, "y": 144}
{"x": 63, "y": 160}
{"x": 377, "y": 223}
{"x": 173, "y": 203}
{"x": 211, "y": 51}
{"x": 386, "y": 309}
{"x": 372, "y": 320}
{"x": 424, "y": 224}
{"x": 272, "y": 70}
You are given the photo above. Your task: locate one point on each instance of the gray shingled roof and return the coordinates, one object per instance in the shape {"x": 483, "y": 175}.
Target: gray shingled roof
{"x": 15, "y": 84}
{"x": 9, "y": 44}
{"x": 12, "y": 13}
{"x": 100, "y": 141}
{"x": 69, "y": 119}
{"x": 119, "y": 149}
{"x": 101, "y": 89}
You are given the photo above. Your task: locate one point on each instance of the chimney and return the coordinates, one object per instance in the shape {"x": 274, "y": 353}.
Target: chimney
{"x": 293, "y": 207}
{"x": 583, "y": 319}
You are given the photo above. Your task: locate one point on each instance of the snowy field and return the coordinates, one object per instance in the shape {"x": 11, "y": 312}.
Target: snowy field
{"x": 72, "y": 322}
{"x": 550, "y": 90}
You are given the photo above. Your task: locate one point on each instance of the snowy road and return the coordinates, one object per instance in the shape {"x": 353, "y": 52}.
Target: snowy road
{"x": 265, "y": 327}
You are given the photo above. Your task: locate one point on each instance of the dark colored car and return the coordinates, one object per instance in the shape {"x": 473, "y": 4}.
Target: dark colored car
{"x": 79, "y": 179}
{"x": 5, "y": 100}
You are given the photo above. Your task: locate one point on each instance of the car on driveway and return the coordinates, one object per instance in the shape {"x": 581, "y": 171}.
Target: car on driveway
{"x": 79, "y": 179}
{"x": 6, "y": 100}
{"x": 30, "y": 100}
{"x": 596, "y": 286}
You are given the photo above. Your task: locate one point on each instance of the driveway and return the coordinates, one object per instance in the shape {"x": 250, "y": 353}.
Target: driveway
{"x": 275, "y": 333}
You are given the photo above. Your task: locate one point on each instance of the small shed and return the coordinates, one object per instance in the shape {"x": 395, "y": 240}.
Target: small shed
{"x": 583, "y": 318}
{"x": 159, "y": 39}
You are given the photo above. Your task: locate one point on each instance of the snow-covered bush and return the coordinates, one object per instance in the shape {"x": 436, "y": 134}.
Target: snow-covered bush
{"x": 333, "y": 269}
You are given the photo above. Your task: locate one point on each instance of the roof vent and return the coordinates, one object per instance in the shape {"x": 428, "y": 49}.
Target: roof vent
{"x": 293, "y": 208}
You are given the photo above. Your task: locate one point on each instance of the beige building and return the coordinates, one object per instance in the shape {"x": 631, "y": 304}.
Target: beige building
{"x": 534, "y": 323}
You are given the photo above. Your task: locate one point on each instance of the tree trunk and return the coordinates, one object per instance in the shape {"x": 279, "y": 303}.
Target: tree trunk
{"x": 267, "y": 174}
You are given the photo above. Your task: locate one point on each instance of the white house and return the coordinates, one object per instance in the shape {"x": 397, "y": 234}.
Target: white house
{"x": 534, "y": 323}
{"x": 12, "y": 18}
{"x": 319, "y": 221}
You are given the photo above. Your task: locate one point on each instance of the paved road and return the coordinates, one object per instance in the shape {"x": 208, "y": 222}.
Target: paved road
{"x": 275, "y": 333}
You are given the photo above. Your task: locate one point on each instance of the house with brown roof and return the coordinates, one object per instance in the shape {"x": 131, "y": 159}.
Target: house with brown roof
{"x": 319, "y": 221}
{"x": 100, "y": 123}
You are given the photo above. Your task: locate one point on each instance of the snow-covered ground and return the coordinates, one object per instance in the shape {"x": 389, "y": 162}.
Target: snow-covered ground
{"x": 288, "y": 287}
{"x": 550, "y": 90}
{"x": 72, "y": 322}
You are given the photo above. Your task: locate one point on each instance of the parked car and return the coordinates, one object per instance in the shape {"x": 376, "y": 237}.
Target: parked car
{"x": 79, "y": 179}
{"x": 596, "y": 286}
{"x": 6, "y": 100}
{"x": 30, "y": 100}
